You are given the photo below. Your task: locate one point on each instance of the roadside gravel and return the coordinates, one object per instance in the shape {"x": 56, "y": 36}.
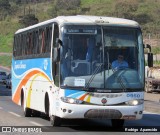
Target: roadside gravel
{"x": 152, "y": 102}
{"x": 152, "y": 97}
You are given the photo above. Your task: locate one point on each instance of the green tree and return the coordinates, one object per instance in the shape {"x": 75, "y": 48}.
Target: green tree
{"x": 65, "y": 7}
{"x": 28, "y": 20}
{"x": 67, "y": 4}
{"x": 143, "y": 18}
{"x": 126, "y": 8}
{"x": 5, "y": 9}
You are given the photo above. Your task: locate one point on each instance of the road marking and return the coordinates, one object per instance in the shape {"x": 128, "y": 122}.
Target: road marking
{"x": 35, "y": 123}
{"x": 15, "y": 114}
{"x": 1, "y": 108}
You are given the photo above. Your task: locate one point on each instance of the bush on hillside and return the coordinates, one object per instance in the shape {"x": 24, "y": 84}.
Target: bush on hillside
{"x": 28, "y": 20}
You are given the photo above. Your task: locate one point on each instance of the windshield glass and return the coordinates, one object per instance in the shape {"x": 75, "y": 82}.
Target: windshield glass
{"x": 122, "y": 48}
{"x": 102, "y": 57}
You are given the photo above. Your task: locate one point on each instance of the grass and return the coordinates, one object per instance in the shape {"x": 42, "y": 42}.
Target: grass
{"x": 156, "y": 50}
{"x": 6, "y": 43}
{"x": 95, "y": 7}
{"x": 7, "y": 30}
{"x": 9, "y": 26}
{"x": 92, "y": 2}
{"x": 5, "y": 61}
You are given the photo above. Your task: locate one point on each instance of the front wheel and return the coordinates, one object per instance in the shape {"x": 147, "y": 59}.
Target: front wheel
{"x": 27, "y": 111}
{"x": 118, "y": 123}
{"x": 55, "y": 121}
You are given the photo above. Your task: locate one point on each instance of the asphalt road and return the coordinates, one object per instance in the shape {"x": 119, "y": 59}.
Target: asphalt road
{"x": 152, "y": 102}
{"x": 4, "y": 91}
{"x": 12, "y": 115}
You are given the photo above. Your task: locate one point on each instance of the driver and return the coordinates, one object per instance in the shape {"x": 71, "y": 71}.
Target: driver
{"x": 119, "y": 63}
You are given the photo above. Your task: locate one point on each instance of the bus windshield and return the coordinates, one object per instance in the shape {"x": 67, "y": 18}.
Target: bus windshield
{"x": 90, "y": 58}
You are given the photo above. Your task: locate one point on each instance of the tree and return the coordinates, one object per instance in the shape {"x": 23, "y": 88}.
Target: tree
{"x": 67, "y": 4}
{"x": 28, "y": 20}
{"x": 65, "y": 7}
{"x": 126, "y": 8}
{"x": 143, "y": 18}
{"x": 5, "y": 9}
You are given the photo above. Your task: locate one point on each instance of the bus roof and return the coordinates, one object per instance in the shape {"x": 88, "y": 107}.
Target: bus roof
{"x": 84, "y": 19}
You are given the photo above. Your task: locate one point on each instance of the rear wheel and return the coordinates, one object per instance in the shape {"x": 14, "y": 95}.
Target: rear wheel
{"x": 118, "y": 123}
{"x": 36, "y": 113}
{"x": 55, "y": 121}
{"x": 27, "y": 112}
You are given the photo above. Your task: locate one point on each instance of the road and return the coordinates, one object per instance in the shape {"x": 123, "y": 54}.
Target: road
{"x": 4, "y": 91}
{"x": 12, "y": 115}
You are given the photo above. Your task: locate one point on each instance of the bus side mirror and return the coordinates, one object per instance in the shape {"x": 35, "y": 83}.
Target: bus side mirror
{"x": 150, "y": 59}
{"x": 58, "y": 42}
{"x": 56, "y": 54}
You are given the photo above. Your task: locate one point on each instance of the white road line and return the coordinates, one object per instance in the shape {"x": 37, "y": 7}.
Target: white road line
{"x": 35, "y": 123}
{"x": 15, "y": 114}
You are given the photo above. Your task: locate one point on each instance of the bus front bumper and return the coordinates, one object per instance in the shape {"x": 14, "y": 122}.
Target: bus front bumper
{"x": 70, "y": 111}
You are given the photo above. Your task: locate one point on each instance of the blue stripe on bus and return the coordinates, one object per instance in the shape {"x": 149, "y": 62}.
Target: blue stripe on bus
{"x": 73, "y": 93}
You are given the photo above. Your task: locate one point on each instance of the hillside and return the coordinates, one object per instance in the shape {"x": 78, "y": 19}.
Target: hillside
{"x": 146, "y": 12}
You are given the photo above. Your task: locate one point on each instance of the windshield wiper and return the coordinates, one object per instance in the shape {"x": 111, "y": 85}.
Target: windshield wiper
{"x": 93, "y": 75}
{"x": 119, "y": 79}
{"x": 121, "y": 83}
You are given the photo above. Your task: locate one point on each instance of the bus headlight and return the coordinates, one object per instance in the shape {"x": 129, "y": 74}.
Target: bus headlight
{"x": 135, "y": 102}
{"x": 71, "y": 100}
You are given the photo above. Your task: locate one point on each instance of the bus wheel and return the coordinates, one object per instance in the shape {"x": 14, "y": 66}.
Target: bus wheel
{"x": 117, "y": 123}
{"x": 27, "y": 112}
{"x": 55, "y": 121}
{"x": 36, "y": 113}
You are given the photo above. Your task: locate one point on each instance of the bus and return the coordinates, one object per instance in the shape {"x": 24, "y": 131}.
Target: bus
{"x": 63, "y": 67}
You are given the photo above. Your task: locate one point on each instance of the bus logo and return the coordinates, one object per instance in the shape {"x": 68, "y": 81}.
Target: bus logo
{"x": 104, "y": 101}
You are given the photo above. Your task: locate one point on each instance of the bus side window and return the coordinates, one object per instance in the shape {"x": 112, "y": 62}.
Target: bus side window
{"x": 19, "y": 46}
{"x": 48, "y": 39}
{"x": 29, "y": 45}
{"x": 55, "y": 34}
{"x": 23, "y": 44}
{"x": 36, "y": 45}
{"x": 26, "y": 43}
{"x": 40, "y": 41}
{"x": 43, "y": 42}
{"x": 15, "y": 46}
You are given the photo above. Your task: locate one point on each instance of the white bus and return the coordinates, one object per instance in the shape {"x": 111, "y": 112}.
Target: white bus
{"x": 63, "y": 68}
